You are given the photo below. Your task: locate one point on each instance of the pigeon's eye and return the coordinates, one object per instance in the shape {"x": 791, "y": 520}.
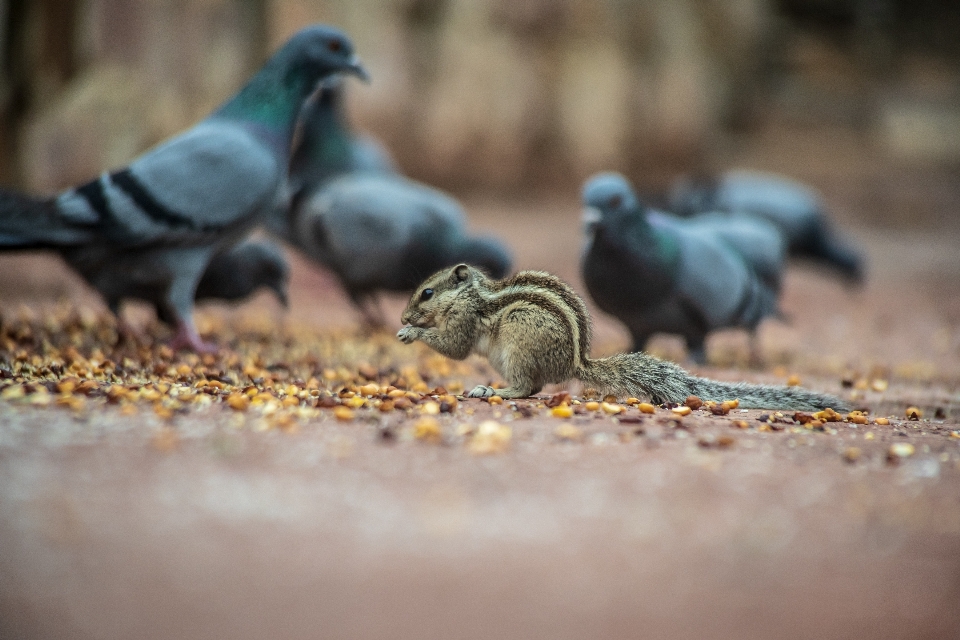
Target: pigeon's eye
{"x": 615, "y": 201}
{"x": 335, "y": 46}
{"x": 426, "y": 295}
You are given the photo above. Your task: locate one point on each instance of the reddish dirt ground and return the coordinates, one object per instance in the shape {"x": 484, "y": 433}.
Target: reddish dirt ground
{"x": 629, "y": 529}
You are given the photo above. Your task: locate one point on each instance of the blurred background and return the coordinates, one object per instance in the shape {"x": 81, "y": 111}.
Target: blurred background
{"x": 524, "y": 96}
{"x": 511, "y": 104}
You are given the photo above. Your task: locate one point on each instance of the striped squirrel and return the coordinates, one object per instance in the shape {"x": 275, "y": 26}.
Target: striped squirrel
{"x": 535, "y": 330}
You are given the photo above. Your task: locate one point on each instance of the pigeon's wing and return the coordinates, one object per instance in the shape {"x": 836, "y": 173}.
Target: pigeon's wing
{"x": 356, "y": 225}
{"x": 714, "y": 280}
{"x": 757, "y": 240}
{"x": 790, "y": 204}
{"x": 194, "y": 188}
{"x": 369, "y": 154}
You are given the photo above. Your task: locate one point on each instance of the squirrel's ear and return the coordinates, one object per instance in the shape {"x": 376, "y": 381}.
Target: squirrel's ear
{"x": 461, "y": 272}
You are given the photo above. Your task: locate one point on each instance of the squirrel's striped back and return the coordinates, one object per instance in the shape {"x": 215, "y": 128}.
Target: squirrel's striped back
{"x": 553, "y": 295}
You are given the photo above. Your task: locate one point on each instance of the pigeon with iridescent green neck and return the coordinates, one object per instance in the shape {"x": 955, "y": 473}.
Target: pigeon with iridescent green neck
{"x": 150, "y": 229}
{"x": 661, "y": 274}
{"x": 375, "y": 229}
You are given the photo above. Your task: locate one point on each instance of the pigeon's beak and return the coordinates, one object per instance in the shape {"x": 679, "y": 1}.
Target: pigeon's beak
{"x": 590, "y": 219}
{"x": 356, "y": 68}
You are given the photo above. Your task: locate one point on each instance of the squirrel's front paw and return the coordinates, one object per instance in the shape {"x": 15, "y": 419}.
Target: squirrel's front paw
{"x": 481, "y": 391}
{"x": 408, "y": 334}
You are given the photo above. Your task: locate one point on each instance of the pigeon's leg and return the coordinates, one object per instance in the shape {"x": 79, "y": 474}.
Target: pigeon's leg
{"x": 188, "y": 338}
{"x": 180, "y": 297}
{"x": 640, "y": 339}
{"x": 756, "y": 357}
{"x": 126, "y": 333}
{"x": 697, "y": 350}
{"x": 370, "y": 310}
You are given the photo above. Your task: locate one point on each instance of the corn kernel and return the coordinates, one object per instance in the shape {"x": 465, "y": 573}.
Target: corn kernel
{"x": 562, "y": 411}
{"x": 567, "y": 431}
{"x": 343, "y": 413}
{"x": 612, "y": 409}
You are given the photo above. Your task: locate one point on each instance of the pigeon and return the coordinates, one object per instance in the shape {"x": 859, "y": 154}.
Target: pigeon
{"x": 328, "y": 146}
{"x": 238, "y": 273}
{"x": 387, "y": 233}
{"x": 150, "y": 229}
{"x": 794, "y": 207}
{"x": 659, "y": 273}
{"x": 352, "y": 212}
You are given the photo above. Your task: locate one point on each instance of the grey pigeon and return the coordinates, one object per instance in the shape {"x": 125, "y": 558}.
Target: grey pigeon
{"x": 659, "y": 273}
{"x": 375, "y": 229}
{"x": 794, "y": 207}
{"x": 328, "y": 146}
{"x": 387, "y": 233}
{"x": 238, "y": 273}
{"x": 150, "y": 229}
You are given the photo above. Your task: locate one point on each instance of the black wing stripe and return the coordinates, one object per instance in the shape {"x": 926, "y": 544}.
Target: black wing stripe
{"x": 93, "y": 193}
{"x": 147, "y": 203}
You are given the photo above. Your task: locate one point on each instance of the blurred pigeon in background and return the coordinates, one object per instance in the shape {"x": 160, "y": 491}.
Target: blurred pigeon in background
{"x": 149, "y": 230}
{"x": 658, "y": 273}
{"x": 375, "y": 229}
{"x": 794, "y": 207}
{"x": 238, "y": 273}
{"x": 328, "y": 146}
{"x": 233, "y": 275}
{"x": 386, "y": 233}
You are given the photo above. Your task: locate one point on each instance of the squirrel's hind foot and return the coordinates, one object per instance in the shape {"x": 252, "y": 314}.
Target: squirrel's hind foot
{"x": 482, "y": 391}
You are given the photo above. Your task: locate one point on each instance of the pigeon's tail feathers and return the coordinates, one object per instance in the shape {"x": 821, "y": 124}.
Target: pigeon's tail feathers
{"x": 842, "y": 257}
{"x": 642, "y": 375}
{"x": 489, "y": 254}
{"x": 822, "y": 243}
{"x": 27, "y": 222}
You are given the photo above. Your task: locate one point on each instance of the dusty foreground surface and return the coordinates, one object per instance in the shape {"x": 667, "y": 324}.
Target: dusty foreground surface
{"x": 141, "y": 505}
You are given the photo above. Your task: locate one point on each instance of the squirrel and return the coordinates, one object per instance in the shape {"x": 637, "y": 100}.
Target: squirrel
{"x": 535, "y": 330}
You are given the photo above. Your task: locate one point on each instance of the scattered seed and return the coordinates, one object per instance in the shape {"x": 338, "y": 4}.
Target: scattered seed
{"x": 562, "y": 411}
{"x": 343, "y": 413}
{"x": 490, "y": 437}
{"x": 558, "y": 399}
{"x": 611, "y": 409}
{"x": 238, "y": 402}
{"x": 900, "y": 450}
{"x": 427, "y": 428}
{"x": 568, "y": 432}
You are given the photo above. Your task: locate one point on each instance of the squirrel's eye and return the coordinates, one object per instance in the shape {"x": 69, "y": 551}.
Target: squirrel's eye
{"x": 426, "y": 295}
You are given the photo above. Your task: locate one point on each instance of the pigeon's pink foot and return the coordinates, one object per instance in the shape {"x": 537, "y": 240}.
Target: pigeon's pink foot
{"x": 188, "y": 338}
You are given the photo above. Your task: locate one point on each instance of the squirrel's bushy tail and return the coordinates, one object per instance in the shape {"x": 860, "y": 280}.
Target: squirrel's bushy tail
{"x": 642, "y": 375}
